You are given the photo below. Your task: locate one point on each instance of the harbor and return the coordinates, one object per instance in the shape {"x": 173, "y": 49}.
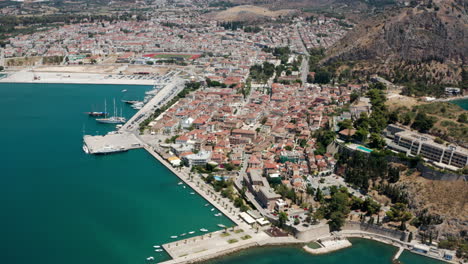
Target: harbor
{"x": 243, "y": 234}
{"x": 126, "y": 137}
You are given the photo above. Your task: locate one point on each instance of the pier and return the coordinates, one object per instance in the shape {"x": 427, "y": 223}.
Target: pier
{"x": 126, "y": 137}
{"x": 111, "y": 143}
{"x": 164, "y": 95}
{"x": 398, "y": 254}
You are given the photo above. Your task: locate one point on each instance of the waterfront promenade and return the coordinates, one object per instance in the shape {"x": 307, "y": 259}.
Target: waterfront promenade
{"x": 203, "y": 190}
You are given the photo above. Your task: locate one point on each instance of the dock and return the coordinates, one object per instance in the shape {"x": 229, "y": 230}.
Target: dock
{"x": 397, "y": 255}
{"x": 111, "y": 143}
{"x": 160, "y": 97}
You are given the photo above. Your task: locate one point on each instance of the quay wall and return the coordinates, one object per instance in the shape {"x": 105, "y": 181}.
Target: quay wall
{"x": 192, "y": 185}
{"x": 394, "y": 234}
{"x": 312, "y": 233}
{"x": 204, "y": 256}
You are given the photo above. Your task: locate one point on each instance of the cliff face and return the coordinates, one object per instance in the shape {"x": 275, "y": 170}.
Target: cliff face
{"x": 426, "y": 42}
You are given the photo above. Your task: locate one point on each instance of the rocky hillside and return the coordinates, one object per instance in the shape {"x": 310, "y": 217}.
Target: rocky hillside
{"x": 425, "y": 42}
{"x": 445, "y": 199}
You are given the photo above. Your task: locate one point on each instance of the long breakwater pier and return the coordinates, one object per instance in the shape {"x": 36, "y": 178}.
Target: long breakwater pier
{"x": 126, "y": 137}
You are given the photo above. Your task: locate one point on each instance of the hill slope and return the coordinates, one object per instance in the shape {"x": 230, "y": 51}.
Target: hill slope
{"x": 424, "y": 43}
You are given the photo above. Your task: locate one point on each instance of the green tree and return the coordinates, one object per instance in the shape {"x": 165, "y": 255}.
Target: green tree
{"x": 322, "y": 77}
{"x": 370, "y": 206}
{"x": 423, "y": 123}
{"x": 346, "y": 124}
{"x": 462, "y": 118}
{"x": 410, "y": 237}
{"x": 354, "y": 96}
{"x": 376, "y": 141}
{"x": 361, "y": 135}
{"x": 282, "y": 218}
{"x": 399, "y": 213}
{"x": 336, "y": 221}
{"x": 318, "y": 195}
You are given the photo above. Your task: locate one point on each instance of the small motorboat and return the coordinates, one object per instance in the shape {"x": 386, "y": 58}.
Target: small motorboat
{"x": 191, "y": 232}
{"x": 192, "y": 193}
{"x": 156, "y": 246}
{"x": 150, "y": 258}
{"x": 159, "y": 250}
{"x": 212, "y": 209}
{"x": 173, "y": 236}
{"x": 204, "y": 230}
{"x": 124, "y": 90}
{"x": 221, "y": 225}
{"x": 207, "y": 204}
{"x": 180, "y": 183}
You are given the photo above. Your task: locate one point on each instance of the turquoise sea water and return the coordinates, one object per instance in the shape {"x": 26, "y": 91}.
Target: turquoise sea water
{"x": 60, "y": 205}
{"x": 463, "y": 103}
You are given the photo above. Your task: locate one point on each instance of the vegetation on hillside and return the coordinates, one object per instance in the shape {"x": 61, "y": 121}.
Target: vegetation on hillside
{"x": 444, "y": 120}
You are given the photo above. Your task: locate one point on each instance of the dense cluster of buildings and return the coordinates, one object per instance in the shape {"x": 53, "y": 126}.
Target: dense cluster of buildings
{"x": 169, "y": 31}
{"x": 270, "y": 135}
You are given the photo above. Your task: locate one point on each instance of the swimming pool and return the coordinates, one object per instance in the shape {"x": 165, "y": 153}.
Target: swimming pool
{"x": 364, "y": 149}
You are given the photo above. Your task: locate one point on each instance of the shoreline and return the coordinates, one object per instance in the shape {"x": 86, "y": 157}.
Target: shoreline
{"x": 456, "y": 98}
{"x": 74, "y": 78}
{"x": 155, "y": 154}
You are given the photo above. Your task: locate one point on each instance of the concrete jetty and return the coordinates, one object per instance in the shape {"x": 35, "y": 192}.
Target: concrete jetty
{"x": 164, "y": 95}
{"x": 111, "y": 143}
{"x": 398, "y": 254}
{"x": 329, "y": 246}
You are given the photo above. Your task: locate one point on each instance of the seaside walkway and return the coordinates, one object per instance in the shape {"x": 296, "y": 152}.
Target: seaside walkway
{"x": 205, "y": 191}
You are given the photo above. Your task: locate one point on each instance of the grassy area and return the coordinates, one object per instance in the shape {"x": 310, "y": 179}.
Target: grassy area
{"x": 225, "y": 234}
{"x": 313, "y": 245}
{"x": 239, "y": 231}
{"x": 246, "y": 237}
{"x": 446, "y": 115}
{"x": 231, "y": 241}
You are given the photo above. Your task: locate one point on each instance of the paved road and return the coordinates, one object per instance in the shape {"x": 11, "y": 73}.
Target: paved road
{"x": 305, "y": 57}
{"x": 168, "y": 92}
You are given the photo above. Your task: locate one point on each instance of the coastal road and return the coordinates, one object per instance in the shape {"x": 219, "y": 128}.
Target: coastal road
{"x": 168, "y": 92}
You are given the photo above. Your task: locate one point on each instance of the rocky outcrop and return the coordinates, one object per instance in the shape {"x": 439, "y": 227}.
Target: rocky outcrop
{"x": 401, "y": 37}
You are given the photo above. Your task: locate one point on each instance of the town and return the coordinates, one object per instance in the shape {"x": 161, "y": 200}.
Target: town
{"x": 246, "y": 116}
